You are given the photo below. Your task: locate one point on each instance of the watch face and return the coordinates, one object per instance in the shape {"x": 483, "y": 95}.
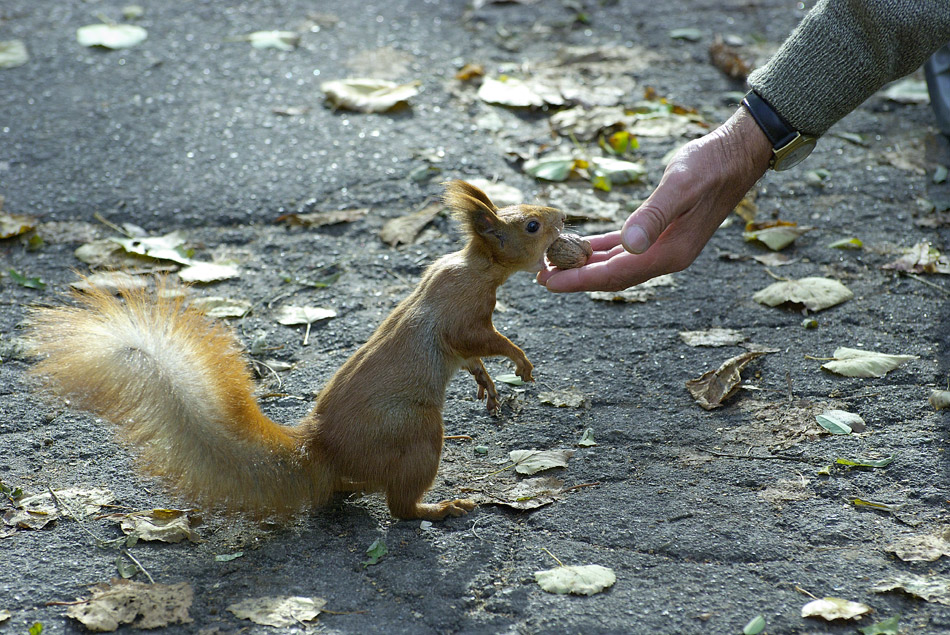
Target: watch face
{"x": 794, "y": 153}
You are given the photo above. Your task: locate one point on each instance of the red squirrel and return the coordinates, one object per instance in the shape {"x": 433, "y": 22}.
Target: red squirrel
{"x": 177, "y": 385}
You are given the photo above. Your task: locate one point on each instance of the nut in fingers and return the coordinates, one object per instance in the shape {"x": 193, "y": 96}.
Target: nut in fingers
{"x": 569, "y": 251}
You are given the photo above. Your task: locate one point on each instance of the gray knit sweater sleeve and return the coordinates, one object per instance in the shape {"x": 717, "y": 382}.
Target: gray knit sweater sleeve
{"x": 843, "y": 52}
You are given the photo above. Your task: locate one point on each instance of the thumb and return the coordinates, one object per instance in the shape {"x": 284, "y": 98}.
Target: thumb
{"x": 646, "y": 224}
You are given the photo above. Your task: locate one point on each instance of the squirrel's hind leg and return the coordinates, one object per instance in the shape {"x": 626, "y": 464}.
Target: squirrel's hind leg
{"x": 411, "y": 477}
{"x": 430, "y": 511}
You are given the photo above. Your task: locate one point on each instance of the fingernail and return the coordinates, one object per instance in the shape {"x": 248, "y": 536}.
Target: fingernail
{"x": 635, "y": 239}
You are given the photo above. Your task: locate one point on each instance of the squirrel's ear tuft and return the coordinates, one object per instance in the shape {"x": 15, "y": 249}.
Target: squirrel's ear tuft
{"x": 471, "y": 206}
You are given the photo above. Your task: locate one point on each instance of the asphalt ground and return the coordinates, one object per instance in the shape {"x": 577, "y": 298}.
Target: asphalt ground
{"x": 182, "y": 132}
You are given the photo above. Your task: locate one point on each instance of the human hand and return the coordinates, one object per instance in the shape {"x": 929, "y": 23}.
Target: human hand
{"x": 702, "y": 184}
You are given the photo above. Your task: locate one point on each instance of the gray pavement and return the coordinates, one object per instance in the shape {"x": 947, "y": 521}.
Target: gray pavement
{"x": 182, "y": 132}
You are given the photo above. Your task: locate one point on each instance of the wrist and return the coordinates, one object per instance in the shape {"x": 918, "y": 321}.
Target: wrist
{"x": 789, "y": 145}
{"x": 746, "y": 136}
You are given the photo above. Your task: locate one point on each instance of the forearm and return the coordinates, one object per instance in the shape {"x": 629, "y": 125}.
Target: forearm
{"x": 843, "y": 52}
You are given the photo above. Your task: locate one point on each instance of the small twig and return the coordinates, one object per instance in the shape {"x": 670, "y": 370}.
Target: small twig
{"x": 862, "y": 396}
{"x": 474, "y": 524}
{"x": 776, "y": 457}
{"x": 478, "y": 478}
{"x": 280, "y": 296}
{"x": 138, "y": 564}
{"x": 280, "y": 383}
{"x": 804, "y": 592}
{"x": 936, "y": 286}
{"x": 343, "y": 612}
{"x": 559, "y": 563}
{"x": 282, "y": 395}
{"x": 108, "y": 223}
{"x": 458, "y": 436}
{"x": 567, "y": 489}
{"x": 774, "y": 275}
{"x": 99, "y": 541}
{"x": 820, "y": 359}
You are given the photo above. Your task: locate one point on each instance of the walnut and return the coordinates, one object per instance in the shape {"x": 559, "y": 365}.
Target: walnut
{"x": 569, "y": 251}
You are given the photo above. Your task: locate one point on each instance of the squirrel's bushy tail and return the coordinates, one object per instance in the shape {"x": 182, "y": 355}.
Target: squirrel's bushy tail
{"x": 176, "y": 385}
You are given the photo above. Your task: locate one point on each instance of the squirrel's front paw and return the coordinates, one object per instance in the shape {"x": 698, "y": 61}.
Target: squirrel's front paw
{"x": 524, "y": 371}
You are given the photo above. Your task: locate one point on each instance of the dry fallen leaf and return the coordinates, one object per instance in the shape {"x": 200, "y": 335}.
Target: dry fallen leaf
{"x": 908, "y": 91}
{"x": 853, "y": 362}
{"x": 835, "y": 609}
{"x": 220, "y": 307}
{"x": 403, "y": 230}
{"x": 841, "y": 422}
{"x": 165, "y": 525}
{"x": 280, "y": 40}
{"x": 368, "y": 94}
{"x": 167, "y": 247}
{"x": 280, "y": 612}
{"x": 208, "y": 272}
{"x": 528, "y": 494}
{"x": 579, "y": 580}
{"x": 122, "y": 601}
{"x": 14, "y": 224}
{"x": 715, "y": 386}
{"x": 111, "y": 281}
{"x": 728, "y": 59}
{"x": 13, "y": 53}
{"x": 814, "y": 294}
{"x": 321, "y": 219}
{"x": 532, "y": 461}
{"x": 470, "y": 72}
{"x": 586, "y": 124}
{"x": 921, "y": 258}
{"x": 112, "y": 36}
{"x": 35, "y": 512}
{"x": 920, "y": 547}
{"x": 776, "y": 235}
{"x": 712, "y": 337}
{"x": 518, "y": 93}
{"x": 567, "y": 398}
{"x": 929, "y": 588}
{"x": 747, "y": 208}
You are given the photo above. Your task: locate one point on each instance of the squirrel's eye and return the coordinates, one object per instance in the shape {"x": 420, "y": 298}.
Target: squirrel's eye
{"x": 533, "y": 226}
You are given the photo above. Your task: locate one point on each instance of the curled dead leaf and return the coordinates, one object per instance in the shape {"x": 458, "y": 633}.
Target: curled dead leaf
{"x": 713, "y": 387}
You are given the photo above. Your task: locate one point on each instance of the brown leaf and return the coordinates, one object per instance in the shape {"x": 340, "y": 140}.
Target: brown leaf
{"x": 321, "y": 219}
{"x": 747, "y": 209}
{"x": 403, "y": 230}
{"x": 727, "y": 59}
{"x": 122, "y": 601}
{"x": 715, "y": 386}
{"x": 528, "y": 494}
{"x": 470, "y": 72}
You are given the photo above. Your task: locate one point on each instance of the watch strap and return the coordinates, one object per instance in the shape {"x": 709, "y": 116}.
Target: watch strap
{"x": 778, "y": 131}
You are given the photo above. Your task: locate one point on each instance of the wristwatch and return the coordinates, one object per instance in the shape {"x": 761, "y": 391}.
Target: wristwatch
{"x": 789, "y": 146}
